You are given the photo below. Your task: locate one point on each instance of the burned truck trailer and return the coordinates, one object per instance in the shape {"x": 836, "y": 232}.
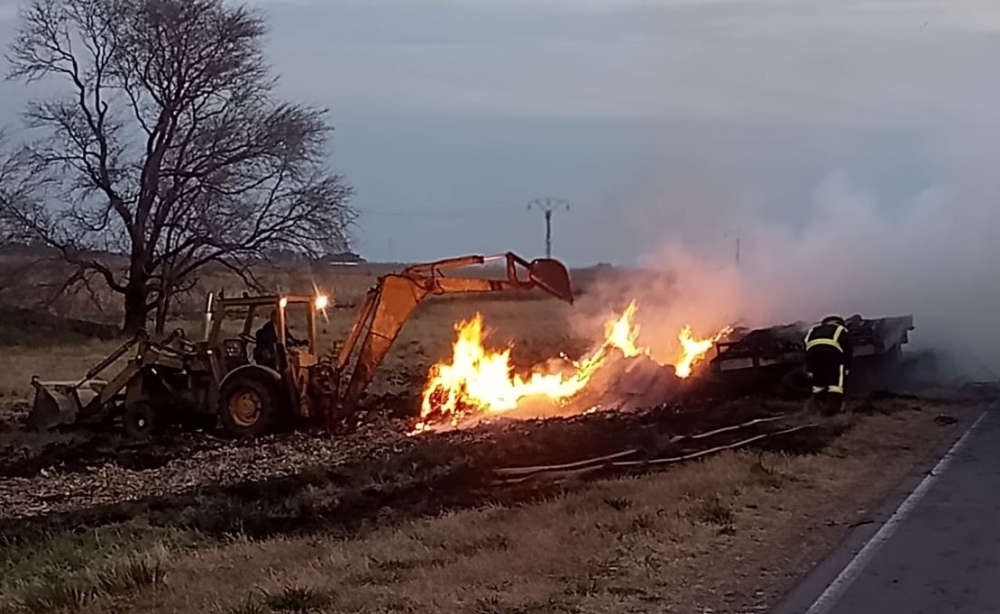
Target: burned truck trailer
{"x": 754, "y": 360}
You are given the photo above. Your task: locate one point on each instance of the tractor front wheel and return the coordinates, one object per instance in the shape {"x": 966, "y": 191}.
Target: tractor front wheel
{"x": 248, "y": 407}
{"x": 141, "y": 421}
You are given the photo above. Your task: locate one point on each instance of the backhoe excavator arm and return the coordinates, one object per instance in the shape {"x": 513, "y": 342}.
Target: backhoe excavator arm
{"x": 390, "y": 302}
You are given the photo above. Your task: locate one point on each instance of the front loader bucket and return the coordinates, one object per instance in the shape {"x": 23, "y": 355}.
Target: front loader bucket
{"x": 54, "y": 406}
{"x": 551, "y": 276}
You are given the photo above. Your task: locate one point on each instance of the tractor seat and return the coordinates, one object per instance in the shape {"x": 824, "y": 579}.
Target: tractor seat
{"x": 234, "y": 348}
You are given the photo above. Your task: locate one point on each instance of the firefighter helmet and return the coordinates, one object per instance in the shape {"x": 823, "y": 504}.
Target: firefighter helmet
{"x": 834, "y": 320}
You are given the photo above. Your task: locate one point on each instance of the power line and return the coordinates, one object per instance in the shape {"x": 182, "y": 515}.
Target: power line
{"x": 430, "y": 213}
{"x": 456, "y": 213}
{"x": 548, "y": 206}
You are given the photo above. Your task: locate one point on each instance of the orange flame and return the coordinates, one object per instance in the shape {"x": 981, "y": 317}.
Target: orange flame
{"x": 478, "y": 380}
{"x": 692, "y": 350}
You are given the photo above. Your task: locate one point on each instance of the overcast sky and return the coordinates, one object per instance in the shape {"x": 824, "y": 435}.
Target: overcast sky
{"x": 658, "y": 120}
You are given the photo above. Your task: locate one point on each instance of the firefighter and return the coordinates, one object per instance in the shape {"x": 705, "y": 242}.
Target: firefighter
{"x": 828, "y": 361}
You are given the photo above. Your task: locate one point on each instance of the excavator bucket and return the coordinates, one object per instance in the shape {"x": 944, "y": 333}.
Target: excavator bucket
{"x": 551, "y": 275}
{"x": 59, "y": 403}
{"x": 52, "y": 407}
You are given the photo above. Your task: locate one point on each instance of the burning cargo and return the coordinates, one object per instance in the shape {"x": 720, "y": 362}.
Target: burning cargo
{"x": 775, "y": 356}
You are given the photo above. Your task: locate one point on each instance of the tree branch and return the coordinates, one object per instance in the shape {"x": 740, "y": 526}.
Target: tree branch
{"x": 172, "y": 146}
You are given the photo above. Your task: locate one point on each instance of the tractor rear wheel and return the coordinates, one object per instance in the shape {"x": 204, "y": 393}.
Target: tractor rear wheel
{"x": 249, "y": 407}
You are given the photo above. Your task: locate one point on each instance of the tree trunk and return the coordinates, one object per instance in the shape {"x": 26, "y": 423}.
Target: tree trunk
{"x": 162, "y": 311}
{"x": 136, "y": 294}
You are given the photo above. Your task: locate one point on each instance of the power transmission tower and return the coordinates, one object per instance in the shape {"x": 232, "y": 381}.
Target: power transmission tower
{"x": 548, "y": 207}
{"x": 737, "y": 233}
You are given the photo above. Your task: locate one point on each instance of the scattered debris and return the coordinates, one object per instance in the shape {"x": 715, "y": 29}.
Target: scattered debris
{"x": 945, "y": 420}
{"x": 87, "y": 476}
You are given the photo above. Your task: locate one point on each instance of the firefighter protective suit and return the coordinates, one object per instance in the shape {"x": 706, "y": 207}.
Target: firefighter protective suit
{"x": 828, "y": 361}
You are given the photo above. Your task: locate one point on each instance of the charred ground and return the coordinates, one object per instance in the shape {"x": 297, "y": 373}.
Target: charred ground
{"x": 295, "y": 483}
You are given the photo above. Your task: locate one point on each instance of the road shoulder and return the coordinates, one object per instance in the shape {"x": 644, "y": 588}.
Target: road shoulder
{"x": 810, "y": 588}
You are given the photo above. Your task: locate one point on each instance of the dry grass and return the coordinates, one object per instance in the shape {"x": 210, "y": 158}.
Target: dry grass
{"x": 69, "y": 570}
{"x": 346, "y": 285}
{"x": 60, "y": 362}
{"x": 727, "y": 534}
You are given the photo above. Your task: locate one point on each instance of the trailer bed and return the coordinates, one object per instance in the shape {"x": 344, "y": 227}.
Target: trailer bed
{"x": 782, "y": 348}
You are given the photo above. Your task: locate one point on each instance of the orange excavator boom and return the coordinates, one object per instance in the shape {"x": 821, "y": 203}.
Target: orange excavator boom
{"x": 389, "y": 303}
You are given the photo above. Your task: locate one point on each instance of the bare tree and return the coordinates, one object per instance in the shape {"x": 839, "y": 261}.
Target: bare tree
{"x": 14, "y": 189}
{"x": 17, "y": 189}
{"x": 169, "y": 146}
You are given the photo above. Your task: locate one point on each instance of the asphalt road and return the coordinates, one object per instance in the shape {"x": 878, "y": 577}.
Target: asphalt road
{"x": 939, "y": 553}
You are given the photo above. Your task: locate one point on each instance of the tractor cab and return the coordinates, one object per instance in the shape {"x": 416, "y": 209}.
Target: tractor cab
{"x": 241, "y": 349}
{"x": 260, "y": 386}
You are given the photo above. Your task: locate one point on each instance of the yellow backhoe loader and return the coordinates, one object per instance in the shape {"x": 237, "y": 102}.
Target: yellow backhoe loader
{"x": 216, "y": 378}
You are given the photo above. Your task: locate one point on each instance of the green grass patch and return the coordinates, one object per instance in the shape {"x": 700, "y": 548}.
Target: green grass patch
{"x": 48, "y": 571}
{"x": 297, "y": 600}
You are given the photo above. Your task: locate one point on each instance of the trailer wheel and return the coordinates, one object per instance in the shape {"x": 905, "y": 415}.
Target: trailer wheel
{"x": 248, "y": 407}
{"x": 794, "y": 385}
{"x": 141, "y": 420}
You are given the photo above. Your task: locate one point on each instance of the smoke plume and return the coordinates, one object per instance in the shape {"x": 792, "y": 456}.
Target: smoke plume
{"x": 933, "y": 257}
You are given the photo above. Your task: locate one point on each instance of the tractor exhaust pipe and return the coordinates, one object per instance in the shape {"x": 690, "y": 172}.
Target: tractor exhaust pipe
{"x": 207, "y": 323}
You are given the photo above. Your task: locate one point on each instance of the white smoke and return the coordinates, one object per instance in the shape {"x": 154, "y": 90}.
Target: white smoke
{"x": 933, "y": 257}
